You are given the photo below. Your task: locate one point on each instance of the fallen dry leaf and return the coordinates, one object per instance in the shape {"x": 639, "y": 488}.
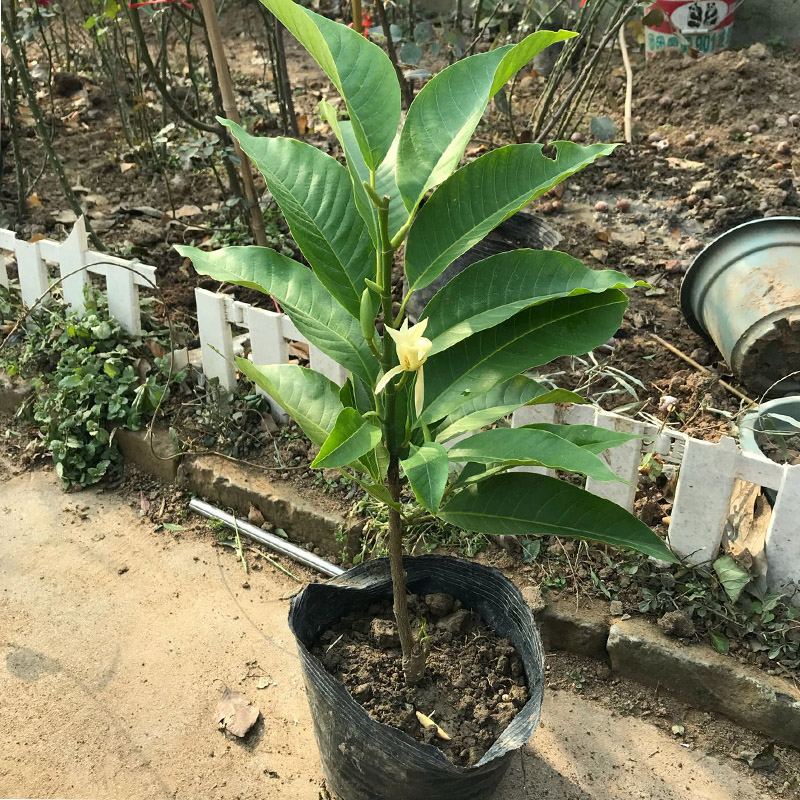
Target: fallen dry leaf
{"x": 235, "y": 714}
{"x": 65, "y": 217}
{"x": 34, "y": 201}
{"x": 187, "y": 211}
{"x": 125, "y": 166}
{"x": 302, "y": 123}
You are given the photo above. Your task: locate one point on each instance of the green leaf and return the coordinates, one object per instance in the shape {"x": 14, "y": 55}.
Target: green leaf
{"x": 385, "y": 183}
{"x": 447, "y": 110}
{"x": 589, "y": 437}
{"x": 732, "y": 577}
{"x": 314, "y": 192}
{"x": 490, "y": 291}
{"x": 480, "y": 196}
{"x": 359, "y": 69}
{"x": 307, "y": 302}
{"x": 474, "y": 366}
{"x": 499, "y": 402}
{"x": 350, "y": 439}
{"x": 719, "y": 642}
{"x": 531, "y": 448}
{"x": 311, "y": 399}
{"x": 171, "y": 526}
{"x": 525, "y": 503}
{"x": 426, "y": 469}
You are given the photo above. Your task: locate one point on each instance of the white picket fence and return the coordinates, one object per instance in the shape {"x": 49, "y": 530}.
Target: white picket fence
{"x": 707, "y": 471}
{"x": 42, "y": 263}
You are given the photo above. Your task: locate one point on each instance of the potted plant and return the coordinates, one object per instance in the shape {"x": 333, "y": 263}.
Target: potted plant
{"x": 415, "y": 389}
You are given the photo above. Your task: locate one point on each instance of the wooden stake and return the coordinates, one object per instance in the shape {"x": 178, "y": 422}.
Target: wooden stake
{"x": 229, "y": 104}
{"x": 358, "y": 24}
{"x": 623, "y": 46}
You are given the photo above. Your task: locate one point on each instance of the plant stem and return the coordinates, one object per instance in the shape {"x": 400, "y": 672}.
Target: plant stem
{"x": 405, "y": 88}
{"x": 358, "y": 25}
{"x": 414, "y": 656}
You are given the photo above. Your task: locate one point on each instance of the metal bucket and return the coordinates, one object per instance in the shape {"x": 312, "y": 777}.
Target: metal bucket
{"x": 702, "y": 25}
{"x": 743, "y": 291}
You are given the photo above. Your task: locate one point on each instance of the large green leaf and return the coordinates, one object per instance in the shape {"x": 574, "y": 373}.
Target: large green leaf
{"x": 310, "y": 399}
{"x": 359, "y": 69}
{"x": 385, "y": 183}
{"x": 314, "y": 192}
{"x": 525, "y": 503}
{"x": 447, "y": 110}
{"x": 351, "y": 438}
{"x": 732, "y": 577}
{"x": 530, "y": 448}
{"x": 499, "y": 402}
{"x": 426, "y": 469}
{"x": 490, "y": 291}
{"x": 479, "y": 196}
{"x": 307, "y": 302}
{"x": 589, "y": 437}
{"x": 474, "y": 366}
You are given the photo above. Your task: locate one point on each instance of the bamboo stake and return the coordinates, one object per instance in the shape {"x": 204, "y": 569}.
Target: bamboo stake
{"x": 705, "y": 370}
{"x": 229, "y": 104}
{"x": 623, "y": 46}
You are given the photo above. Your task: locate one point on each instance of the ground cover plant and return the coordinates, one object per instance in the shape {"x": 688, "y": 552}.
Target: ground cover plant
{"x": 414, "y": 387}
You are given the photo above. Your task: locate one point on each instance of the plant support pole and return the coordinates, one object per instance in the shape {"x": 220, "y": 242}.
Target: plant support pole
{"x": 229, "y": 104}
{"x": 623, "y": 46}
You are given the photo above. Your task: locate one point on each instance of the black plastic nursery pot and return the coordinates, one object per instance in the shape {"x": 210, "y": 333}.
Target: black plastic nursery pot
{"x": 364, "y": 759}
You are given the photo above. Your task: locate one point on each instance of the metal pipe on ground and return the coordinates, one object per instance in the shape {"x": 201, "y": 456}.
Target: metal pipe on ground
{"x": 274, "y": 543}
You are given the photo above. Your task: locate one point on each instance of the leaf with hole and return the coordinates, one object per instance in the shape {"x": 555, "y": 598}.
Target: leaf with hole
{"x": 480, "y": 195}
{"x": 445, "y": 113}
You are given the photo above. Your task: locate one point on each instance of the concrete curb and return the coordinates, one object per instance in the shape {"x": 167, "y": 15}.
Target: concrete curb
{"x": 636, "y": 648}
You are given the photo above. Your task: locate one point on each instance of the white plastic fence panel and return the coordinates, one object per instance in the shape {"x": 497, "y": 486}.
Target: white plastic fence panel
{"x": 216, "y": 340}
{"x": 623, "y": 461}
{"x": 72, "y": 254}
{"x": 782, "y": 544}
{"x": 761, "y": 471}
{"x": 528, "y": 415}
{"x": 123, "y": 299}
{"x": 269, "y": 346}
{"x": 32, "y": 270}
{"x": 3, "y": 272}
{"x": 702, "y": 498}
{"x": 323, "y": 363}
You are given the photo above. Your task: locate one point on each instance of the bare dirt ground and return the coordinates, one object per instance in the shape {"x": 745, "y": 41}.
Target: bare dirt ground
{"x": 116, "y": 642}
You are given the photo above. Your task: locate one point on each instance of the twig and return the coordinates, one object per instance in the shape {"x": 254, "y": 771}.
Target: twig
{"x": 628, "y": 84}
{"x": 229, "y": 104}
{"x": 483, "y": 30}
{"x": 387, "y": 32}
{"x": 689, "y": 360}
{"x": 274, "y": 563}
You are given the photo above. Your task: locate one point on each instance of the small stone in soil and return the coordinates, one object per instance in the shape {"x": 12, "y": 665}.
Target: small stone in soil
{"x": 677, "y": 624}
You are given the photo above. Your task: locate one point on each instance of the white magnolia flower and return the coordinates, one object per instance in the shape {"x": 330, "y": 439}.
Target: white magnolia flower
{"x": 412, "y": 351}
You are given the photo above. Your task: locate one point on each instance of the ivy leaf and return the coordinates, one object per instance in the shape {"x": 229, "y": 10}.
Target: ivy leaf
{"x": 732, "y": 577}
{"x": 719, "y": 642}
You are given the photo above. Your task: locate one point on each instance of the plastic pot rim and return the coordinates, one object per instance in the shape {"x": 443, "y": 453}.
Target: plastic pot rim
{"x": 695, "y": 272}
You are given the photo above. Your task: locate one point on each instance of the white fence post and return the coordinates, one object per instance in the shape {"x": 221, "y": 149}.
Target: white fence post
{"x": 123, "y": 299}
{"x": 702, "y": 498}
{"x": 268, "y": 346}
{"x": 782, "y": 544}
{"x": 3, "y": 272}
{"x": 32, "y": 271}
{"x": 622, "y": 461}
{"x": 72, "y": 256}
{"x": 216, "y": 339}
{"x": 528, "y": 415}
{"x": 326, "y": 365}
